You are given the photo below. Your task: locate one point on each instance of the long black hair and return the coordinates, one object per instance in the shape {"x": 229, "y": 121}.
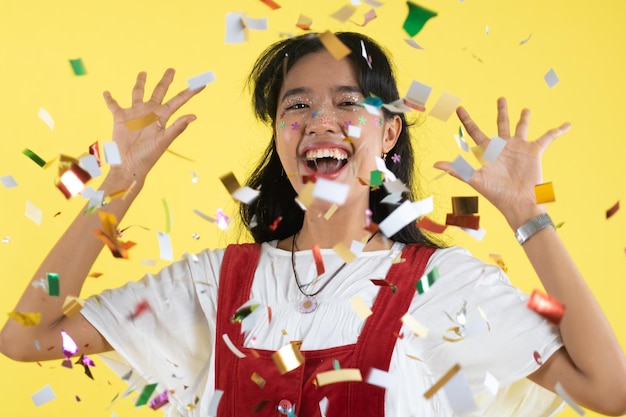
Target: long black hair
{"x": 277, "y": 194}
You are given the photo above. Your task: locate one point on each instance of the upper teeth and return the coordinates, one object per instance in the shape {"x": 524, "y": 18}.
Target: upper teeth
{"x": 326, "y": 153}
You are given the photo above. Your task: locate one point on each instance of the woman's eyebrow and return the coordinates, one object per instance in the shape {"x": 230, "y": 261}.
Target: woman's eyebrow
{"x": 294, "y": 92}
{"x": 304, "y": 90}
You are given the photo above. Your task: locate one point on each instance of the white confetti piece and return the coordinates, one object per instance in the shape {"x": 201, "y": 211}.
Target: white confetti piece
{"x": 215, "y": 402}
{"x": 235, "y": 30}
{"x": 43, "y": 396}
{"x": 90, "y": 164}
{"x": 201, "y": 80}
{"x": 380, "y": 378}
{"x": 112, "y": 153}
{"x": 256, "y": 24}
{"x": 476, "y": 234}
{"x": 34, "y": 213}
{"x": 551, "y": 78}
{"x": 46, "y": 117}
{"x": 331, "y": 191}
{"x": 491, "y": 383}
{"x": 495, "y": 147}
{"x": 165, "y": 246}
{"x": 232, "y": 346}
{"x": 445, "y": 106}
{"x": 324, "y": 406}
{"x": 459, "y": 395}
{"x": 463, "y": 168}
{"x": 405, "y": 214}
{"x": 413, "y": 44}
{"x": 246, "y": 194}
{"x": 416, "y": 327}
{"x": 354, "y": 131}
{"x": 8, "y": 181}
{"x": 418, "y": 93}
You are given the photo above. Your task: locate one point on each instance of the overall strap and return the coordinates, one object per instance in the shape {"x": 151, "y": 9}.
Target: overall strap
{"x": 236, "y": 276}
{"x": 379, "y": 335}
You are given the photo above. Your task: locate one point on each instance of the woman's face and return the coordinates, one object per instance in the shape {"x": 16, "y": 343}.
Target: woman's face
{"x": 318, "y": 103}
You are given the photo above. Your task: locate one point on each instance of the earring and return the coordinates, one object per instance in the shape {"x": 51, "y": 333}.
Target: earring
{"x": 385, "y": 156}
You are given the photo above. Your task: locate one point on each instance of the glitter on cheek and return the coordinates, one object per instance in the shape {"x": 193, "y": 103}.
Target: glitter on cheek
{"x": 347, "y": 124}
{"x": 295, "y": 126}
{"x": 362, "y": 120}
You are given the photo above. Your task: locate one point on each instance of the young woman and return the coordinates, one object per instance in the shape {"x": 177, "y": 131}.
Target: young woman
{"x": 303, "y": 323}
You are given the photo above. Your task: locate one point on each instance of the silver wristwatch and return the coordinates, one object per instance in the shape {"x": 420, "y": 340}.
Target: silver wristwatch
{"x": 532, "y": 226}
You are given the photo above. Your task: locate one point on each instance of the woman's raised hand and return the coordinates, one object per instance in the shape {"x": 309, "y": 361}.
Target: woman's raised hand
{"x": 509, "y": 181}
{"x": 141, "y": 148}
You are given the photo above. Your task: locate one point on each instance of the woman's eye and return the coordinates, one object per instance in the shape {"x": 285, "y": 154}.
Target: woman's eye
{"x": 348, "y": 103}
{"x": 297, "y": 106}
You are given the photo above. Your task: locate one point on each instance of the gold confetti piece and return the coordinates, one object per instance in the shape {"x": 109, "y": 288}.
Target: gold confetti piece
{"x": 442, "y": 381}
{"x": 180, "y": 156}
{"x": 330, "y": 211}
{"x": 304, "y": 22}
{"x": 141, "y": 122}
{"x": 334, "y": 45}
{"x": 361, "y": 307}
{"x": 288, "y": 357}
{"x": 415, "y": 358}
{"x": 544, "y": 193}
{"x": 462, "y": 206}
{"x": 72, "y": 305}
{"x": 338, "y": 375}
{"x": 109, "y": 234}
{"x": 26, "y": 319}
{"x": 468, "y": 221}
{"x": 499, "y": 261}
{"x": 416, "y": 327}
{"x": 306, "y": 198}
{"x": 457, "y": 331}
{"x": 230, "y": 182}
{"x": 344, "y": 252}
{"x": 257, "y": 379}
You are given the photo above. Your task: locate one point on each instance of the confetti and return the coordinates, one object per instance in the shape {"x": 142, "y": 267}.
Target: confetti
{"x": 427, "y": 280}
{"x": 91, "y": 164}
{"x": 242, "y": 313}
{"x": 112, "y": 153}
{"x": 416, "y": 327}
{"x": 33, "y": 213}
{"x": 255, "y": 24}
{"x": 44, "y": 395}
{"x": 525, "y": 41}
{"x": 460, "y": 139}
{"x": 34, "y": 157}
{"x": 8, "y": 181}
{"x": 416, "y": 19}
{"x": 464, "y": 205}
{"x": 215, "y": 402}
{"x": 95, "y": 151}
{"x": 165, "y": 246}
{"x": 201, "y": 80}
{"x": 417, "y": 96}
{"x": 72, "y": 305}
{"x": 413, "y": 44}
{"x": 275, "y": 223}
{"x": 468, "y": 221}
{"x": 369, "y": 16}
{"x": 235, "y": 29}
{"x": 108, "y": 234}
{"x": 257, "y": 379}
{"x": 136, "y": 124}
{"x": 168, "y": 218}
{"x": 46, "y": 117}
{"x": 495, "y": 147}
{"x": 319, "y": 261}
{"x": 476, "y": 234}
{"x": 376, "y": 178}
{"x": 69, "y": 347}
{"x": 273, "y": 5}
{"x": 610, "y": 212}
{"x": 85, "y": 362}
{"x": 459, "y": 394}
{"x": 544, "y": 193}
{"x": 232, "y": 346}
{"x": 563, "y": 394}
{"x": 53, "y": 284}
{"x": 341, "y": 375}
{"x": 330, "y": 211}
{"x": 331, "y": 191}
{"x": 140, "y": 308}
{"x": 304, "y": 22}
{"x": 491, "y": 383}
{"x": 551, "y": 78}
{"x": 384, "y": 283}
{"x": 547, "y": 306}
{"x": 360, "y": 307}
{"x": 463, "y": 168}
{"x": 442, "y": 381}
{"x": 380, "y": 378}
{"x": 344, "y": 252}
{"x": 78, "y": 66}
{"x": 344, "y": 13}
{"x": 427, "y": 224}
{"x": 399, "y": 218}
{"x": 159, "y": 401}
{"x": 146, "y": 392}
{"x": 445, "y": 106}
{"x": 288, "y": 357}
{"x": 72, "y": 181}
{"x": 334, "y": 45}
{"x": 25, "y": 319}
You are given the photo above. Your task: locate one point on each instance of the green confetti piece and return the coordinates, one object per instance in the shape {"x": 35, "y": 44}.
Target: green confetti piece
{"x": 34, "y": 157}
{"x": 168, "y": 219}
{"x": 242, "y": 313}
{"x": 53, "y": 284}
{"x": 376, "y": 178}
{"x": 146, "y": 392}
{"x": 336, "y": 365}
{"x": 78, "y": 67}
{"x": 427, "y": 281}
{"x": 417, "y": 18}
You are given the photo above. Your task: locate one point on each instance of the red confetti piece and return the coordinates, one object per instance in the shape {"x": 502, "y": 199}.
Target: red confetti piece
{"x": 141, "y": 308}
{"x": 537, "y": 357}
{"x": 269, "y": 314}
{"x": 308, "y": 178}
{"x": 414, "y": 105}
{"x": 610, "y": 212}
{"x": 94, "y": 150}
{"x": 547, "y": 306}
{"x": 384, "y": 283}
{"x": 274, "y": 224}
{"x": 468, "y": 221}
{"x": 426, "y": 224}
{"x": 319, "y": 261}
{"x": 271, "y": 4}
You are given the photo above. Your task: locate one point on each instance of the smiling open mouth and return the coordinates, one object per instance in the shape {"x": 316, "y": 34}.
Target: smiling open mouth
{"x": 326, "y": 161}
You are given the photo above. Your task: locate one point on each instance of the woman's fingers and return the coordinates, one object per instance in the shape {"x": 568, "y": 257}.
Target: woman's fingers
{"x": 179, "y": 99}
{"x": 111, "y": 103}
{"x": 521, "y": 130}
{"x": 470, "y": 126}
{"x": 138, "y": 89}
{"x": 161, "y": 88}
{"x": 504, "y": 129}
{"x": 546, "y": 139}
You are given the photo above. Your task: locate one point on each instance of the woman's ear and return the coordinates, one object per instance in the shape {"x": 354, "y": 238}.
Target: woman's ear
{"x": 392, "y": 129}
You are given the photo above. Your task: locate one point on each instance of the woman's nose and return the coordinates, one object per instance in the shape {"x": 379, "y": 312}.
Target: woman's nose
{"x": 322, "y": 122}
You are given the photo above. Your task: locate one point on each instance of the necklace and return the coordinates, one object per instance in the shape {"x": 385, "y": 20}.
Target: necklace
{"x": 309, "y": 303}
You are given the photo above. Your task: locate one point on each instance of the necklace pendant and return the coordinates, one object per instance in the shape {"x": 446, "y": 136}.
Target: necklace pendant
{"x": 308, "y": 305}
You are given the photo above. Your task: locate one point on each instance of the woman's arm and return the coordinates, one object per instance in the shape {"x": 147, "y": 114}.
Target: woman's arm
{"x": 74, "y": 254}
{"x": 591, "y": 366}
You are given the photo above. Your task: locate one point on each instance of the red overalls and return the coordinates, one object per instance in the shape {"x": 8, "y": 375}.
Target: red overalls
{"x": 372, "y": 350}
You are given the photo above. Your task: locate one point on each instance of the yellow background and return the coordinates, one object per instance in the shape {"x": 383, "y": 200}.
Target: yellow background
{"x": 582, "y": 41}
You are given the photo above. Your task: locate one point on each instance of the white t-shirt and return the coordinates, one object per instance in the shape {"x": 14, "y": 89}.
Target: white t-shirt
{"x": 172, "y": 342}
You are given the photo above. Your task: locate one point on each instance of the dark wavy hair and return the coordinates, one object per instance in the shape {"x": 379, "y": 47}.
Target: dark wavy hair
{"x": 277, "y": 194}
